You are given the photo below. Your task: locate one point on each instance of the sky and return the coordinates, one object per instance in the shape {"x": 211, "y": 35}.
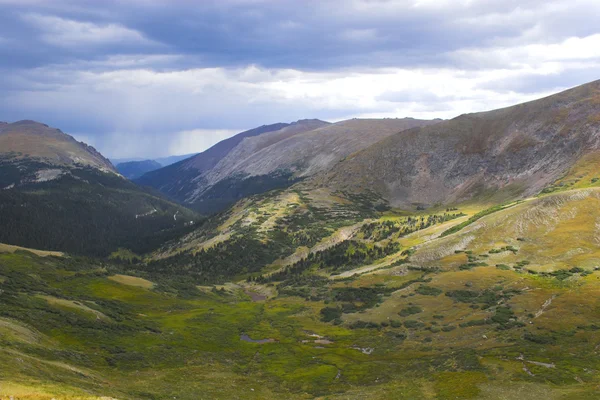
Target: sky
{"x": 152, "y": 78}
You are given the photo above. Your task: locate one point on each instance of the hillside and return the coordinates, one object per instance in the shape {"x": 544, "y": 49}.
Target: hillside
{"x": 180, "y": 180}
{"x": 506, "y": 153}
{"x": 62, "y": 195}
{"x": 339, "y": 303}
{"x": 311, "y": 292}
{"x": 33, "y": 140}
{"x": 135, "y": 169}
{"x": 272, "y": 159}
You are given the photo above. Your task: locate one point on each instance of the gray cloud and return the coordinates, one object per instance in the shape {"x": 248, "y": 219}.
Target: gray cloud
{"x": 115, "y": 72}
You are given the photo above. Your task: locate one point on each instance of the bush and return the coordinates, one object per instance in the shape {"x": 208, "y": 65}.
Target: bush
{"x": 330, "y": 313}
{"x": 428, "y": 290}
{"x": 411, "y": 310}
{"x": 413, "y": 324}
{"x": 539, "y": 339}
{"x": 364, "y": 325}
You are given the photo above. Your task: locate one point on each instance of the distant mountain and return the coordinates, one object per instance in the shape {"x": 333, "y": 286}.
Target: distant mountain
{"x": 181, "y": 178}
{"x": 506, "y": 153}
{"x": 163, "y": 161}
{"x": 266, "y": 158}
{"x": 60, "y": 194}
{"x": 135, "y": 169}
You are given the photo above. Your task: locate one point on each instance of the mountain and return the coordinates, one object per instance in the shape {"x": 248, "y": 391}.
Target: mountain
{"x": 60, "y": 194}
{"x": 485, "y": 290}
{"x": 32, "y": 140}
{"x": 269, "y": 157}
{"x": 135, "y": 169}
{"x": 163, "y": 161}
{"x": 507, "y": 153}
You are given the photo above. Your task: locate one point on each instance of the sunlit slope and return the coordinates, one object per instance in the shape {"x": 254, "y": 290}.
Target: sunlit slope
{"x": 34, "y": 140}
{"x": 556, "y": 231}
{"x": 482, "y": 313}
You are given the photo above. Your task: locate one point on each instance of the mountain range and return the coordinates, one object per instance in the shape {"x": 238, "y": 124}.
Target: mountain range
{"x": 367, "y": 258}
{"x": 266, "y": 158}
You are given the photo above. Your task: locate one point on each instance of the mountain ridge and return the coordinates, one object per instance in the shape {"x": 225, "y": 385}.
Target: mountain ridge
{"x": 519, "y": 149}
{"x": 276, "y": 158}
{"x": 60, "y": 194}
{"x": 28, "y": 138}
{"x": 135, "y": 169}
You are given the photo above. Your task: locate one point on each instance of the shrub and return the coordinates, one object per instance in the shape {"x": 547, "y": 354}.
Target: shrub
{"x": 428, "y": 290}
{"x": 330, "y": 313}
{"x": 413, "y": 324}
{"x": 394, "y": 323}
{"x": 411, "y": 310}
{"x": 539, "y": 339}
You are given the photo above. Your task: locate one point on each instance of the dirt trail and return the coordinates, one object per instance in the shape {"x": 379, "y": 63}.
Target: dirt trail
{"x": 546, "y": 304}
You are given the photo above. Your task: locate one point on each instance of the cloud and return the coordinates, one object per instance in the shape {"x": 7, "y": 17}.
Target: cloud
{"x": 71, "y": 33}
{"x": 147, "y": 78}
{"x": 359, "y": 35}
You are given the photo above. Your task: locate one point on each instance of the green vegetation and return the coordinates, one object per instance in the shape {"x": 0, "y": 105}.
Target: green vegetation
{"x": 88, "y": 213}
{"x": 265, "y": 308}
{"x": 476, "y": 217}
{"x": 378, "y": 231}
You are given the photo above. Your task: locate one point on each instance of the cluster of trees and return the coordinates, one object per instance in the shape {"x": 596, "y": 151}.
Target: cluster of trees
{"x": 87, "y": 213}
{"x": 382, "y": 230}
{"x": 218, "y": 264}
{"x": 341, "y": 257}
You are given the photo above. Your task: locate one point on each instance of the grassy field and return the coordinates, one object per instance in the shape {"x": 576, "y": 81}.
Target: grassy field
{"x": 504, "y": 308}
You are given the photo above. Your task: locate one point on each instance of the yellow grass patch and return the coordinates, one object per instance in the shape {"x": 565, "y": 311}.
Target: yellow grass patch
{"x": 9, "y": 248}
{"x": 132, "y": 281}
{"x": 74, "y": 306}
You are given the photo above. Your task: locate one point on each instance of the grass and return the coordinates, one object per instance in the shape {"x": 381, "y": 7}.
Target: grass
{"x": 132, "y": 281}
{"x": 88, "y": 328}
{"x": 8, "y": 248}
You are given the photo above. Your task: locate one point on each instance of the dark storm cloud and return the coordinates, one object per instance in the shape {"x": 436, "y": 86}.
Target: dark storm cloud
{"x": 110, "y": 69}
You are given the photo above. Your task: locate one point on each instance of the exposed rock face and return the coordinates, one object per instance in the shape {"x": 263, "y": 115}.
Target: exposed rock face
{"x": 277, "y": 156}
{"x": 310, "y": 152}
{"x": 180, "y": 179}
{"x": 511, "y": 152}
{"x": 36, "y": 141}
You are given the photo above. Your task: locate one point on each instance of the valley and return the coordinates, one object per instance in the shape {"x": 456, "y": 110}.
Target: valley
{"x": 441, "y": 283}
{"x": 476, "y": 313}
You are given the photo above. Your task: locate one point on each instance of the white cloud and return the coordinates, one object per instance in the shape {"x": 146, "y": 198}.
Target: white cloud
{"x": 197, "y": 140}
{"x": 70, "y": 33}
{"x": 538, "y": 55}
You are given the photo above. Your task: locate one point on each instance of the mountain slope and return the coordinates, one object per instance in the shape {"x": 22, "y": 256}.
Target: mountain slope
{"x": 59, "y": 194}
{"x": 181, "y": 179}
{"x": 135, "y": 169}
{"x": 307, "y": 293}
{"x": 30, "y": 139}
{"x": 273, "y": 159}
{"x": 515, "y": 151}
